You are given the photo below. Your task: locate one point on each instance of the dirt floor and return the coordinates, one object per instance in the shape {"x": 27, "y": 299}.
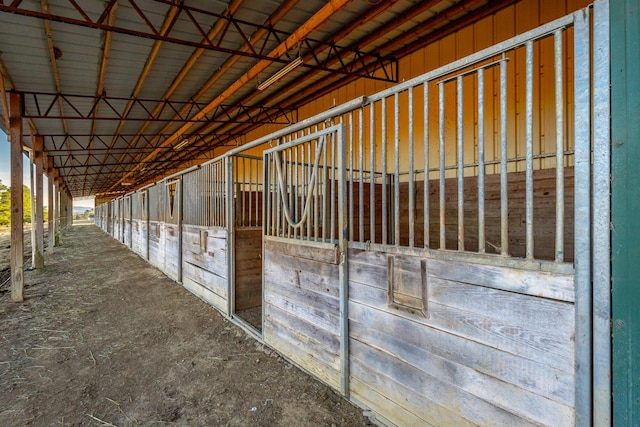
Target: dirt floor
{"x": 105, "y": 339}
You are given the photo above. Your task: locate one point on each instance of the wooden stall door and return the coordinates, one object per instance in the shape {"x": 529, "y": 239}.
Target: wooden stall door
{"x": 305, "y": 268}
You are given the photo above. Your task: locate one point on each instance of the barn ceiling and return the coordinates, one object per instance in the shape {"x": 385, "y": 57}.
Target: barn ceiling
{"x": 124, "y": 92}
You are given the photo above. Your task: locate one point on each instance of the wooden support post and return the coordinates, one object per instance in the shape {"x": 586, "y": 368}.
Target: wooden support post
{"x": 17, "y": 236}
{"x": 69, "y": 211}
{"x": 56, "y": 213}
{"x": 38, "y": 216}
{"x": 50, "y": 204}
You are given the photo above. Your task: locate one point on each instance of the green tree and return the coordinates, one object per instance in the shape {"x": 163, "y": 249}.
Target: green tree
{"x": 26, "y": 200}
{"x": 5, "y": 205}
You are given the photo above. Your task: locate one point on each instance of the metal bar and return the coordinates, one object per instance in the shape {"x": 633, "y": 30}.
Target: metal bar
{"x": 396, "y": 184}
{"x": 481, "y": 165}
{"x": 601, "y": 267}
{"x": 412, "y": 196}
{"x": 557, "y": 48}
{"x": 460, "y": 126}
{"x": 443, "y": 236}
{"x": 297, "y": 190}
{"x": 360, "y": 174}
{"x": 344, "y": 265}
{"x": 384, "y": 172}
{"x": 504, "y": 204}
{"x": 267, "y": 186}
{"x": 316, "y": 184}
{"x": 372, "y": 179}
{"x": 242, "y": 192}
{"x": 332, "y": 234}
{"x": 529, "y": 150}
{"x": 324, "y": 191}
{"x": 425, "y": 148}
{"x": 350, "y": 186}
{"x": 250, "y": 210}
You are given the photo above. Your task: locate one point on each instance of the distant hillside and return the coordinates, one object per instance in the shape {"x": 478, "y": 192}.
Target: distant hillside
{"x": 81, "y": 209}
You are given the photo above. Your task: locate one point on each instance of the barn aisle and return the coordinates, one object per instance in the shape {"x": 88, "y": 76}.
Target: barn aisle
{"x": 103, "y": 338}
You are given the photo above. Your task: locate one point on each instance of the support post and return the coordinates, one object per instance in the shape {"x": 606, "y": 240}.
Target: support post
{"x": 17, "y": 205}
{"x": 38, "y": 223}
{"x": 51, "y": 205}
{"x": 56, "y": 216}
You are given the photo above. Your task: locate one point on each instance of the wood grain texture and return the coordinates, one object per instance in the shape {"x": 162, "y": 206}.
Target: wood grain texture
{"x": 301, "y": 310}
{"x": 248, "y": 268}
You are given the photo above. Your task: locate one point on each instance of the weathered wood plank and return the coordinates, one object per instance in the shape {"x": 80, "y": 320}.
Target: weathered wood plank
{"x": 205, "y": 294}
{"x": 324, "y": 344}
{"x": 393, "y": 412}
{"x": 289, "y": 344}
{"x": 543, "y": 284}
{"x": 215, "y": 283}
{"x": 325, "y": 317}
{"x": 299, "y": 249}
{"x": 439, "y": 401}
{"x": 302, "y": 273}
{"x": 554, "y": 348}
{"x": 248, "y": 268}
{"x": 527, "y": 374}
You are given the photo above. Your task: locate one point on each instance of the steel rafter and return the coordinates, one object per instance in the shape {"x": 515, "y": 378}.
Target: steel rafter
{"x": 85, "y": 107}
{"x": 95, "y": 143}
{"x": 234, "y": 29}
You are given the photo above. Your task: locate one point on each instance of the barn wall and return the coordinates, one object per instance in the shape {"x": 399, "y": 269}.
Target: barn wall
{"x": 204, "y": 264}
{"x": 494, "y": 345}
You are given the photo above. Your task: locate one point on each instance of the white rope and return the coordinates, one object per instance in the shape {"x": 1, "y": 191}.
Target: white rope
{"x": 312, "y": 181}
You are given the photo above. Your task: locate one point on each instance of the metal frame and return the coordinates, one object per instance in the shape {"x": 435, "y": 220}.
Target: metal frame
{"x": 352, "y": 61}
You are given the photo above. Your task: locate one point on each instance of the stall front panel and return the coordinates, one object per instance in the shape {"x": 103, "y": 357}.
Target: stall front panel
{"x": 204, "y": 234}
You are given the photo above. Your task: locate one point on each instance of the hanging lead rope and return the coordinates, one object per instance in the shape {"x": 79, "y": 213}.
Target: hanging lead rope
{"x": 312, "y": 182}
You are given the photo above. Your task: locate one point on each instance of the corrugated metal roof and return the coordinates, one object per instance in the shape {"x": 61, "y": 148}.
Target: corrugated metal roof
{"x": 26, "y": 56}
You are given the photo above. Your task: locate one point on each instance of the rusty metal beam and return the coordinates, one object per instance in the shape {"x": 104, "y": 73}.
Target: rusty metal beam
{"x": 316, "y": 20}
{"x": 84, "y": 107}
{"x": 234, "y": 27}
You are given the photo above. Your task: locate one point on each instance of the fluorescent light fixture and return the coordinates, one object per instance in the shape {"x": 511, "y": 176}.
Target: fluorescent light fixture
{"x": 126, "y": 183}
{"x": 182, "y": 144}
{"x": 280, "y": 74}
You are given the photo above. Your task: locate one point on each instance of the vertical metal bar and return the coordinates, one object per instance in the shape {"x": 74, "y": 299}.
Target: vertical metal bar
{"x": 425, "y": 148}
{"x": 481, "y": 165}
{"x": 396, "y": 184}
{"x": 324, "y": 189}
{"x": 350, "y": 184}
{"x": 332, "y": 234}
{"x": 290, "y": 186}
{"x": 504, "y": 204}
{"x": 412, "y": 196}
{"x": 316, "y": 222}
{"x": 296, "y": 195}
{"x": 443, "y": 236}
{"x": 267, "y": 205}
{"x": 582, "y": 113}
{"x": 557, "y": 48}
{"x": 384, "y": 171}
{"x": 243, "y": 191}
{"x": 259, "y": 166}
{"x": 372, "y": 175}
{"x": 360, "y": 174}
{"x": 228, "y": 178}
{"x": 529, "y": 149}
{"x": 601, "y": 216}
{"x": 344, "y": 265}
{"x": 460, "y": 126}
{"x": 250, "y": 201}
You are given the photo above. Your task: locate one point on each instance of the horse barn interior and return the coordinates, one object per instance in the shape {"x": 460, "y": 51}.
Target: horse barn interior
{"x": 416, "y": 202}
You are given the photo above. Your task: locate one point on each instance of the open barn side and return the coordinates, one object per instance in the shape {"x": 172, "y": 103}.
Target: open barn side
{"x": 423, "y": 250}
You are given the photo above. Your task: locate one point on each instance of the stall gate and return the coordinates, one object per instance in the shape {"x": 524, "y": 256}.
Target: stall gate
{"x": 305, "y": 253}
{"x": 139, "y": 220}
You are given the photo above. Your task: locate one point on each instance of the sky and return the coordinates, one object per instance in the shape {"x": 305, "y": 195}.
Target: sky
{"x": 5, "y": 173}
